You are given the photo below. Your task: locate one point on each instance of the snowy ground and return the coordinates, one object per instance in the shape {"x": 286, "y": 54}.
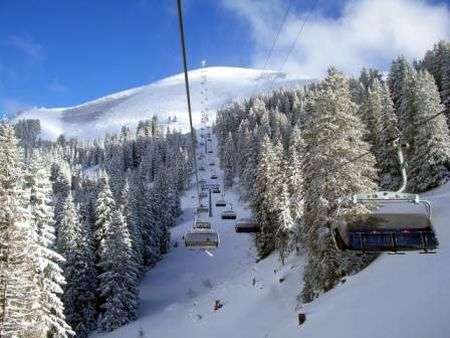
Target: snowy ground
{"x": 404, "y": 296}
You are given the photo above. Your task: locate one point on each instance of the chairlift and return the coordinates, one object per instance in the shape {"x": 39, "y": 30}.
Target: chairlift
{"x": 202, "y": 209}
{"x": 203, "y": 194}
{"x": 214, "y": 177}
{"x": 386, "y": 232}
{"x": 228, "y": 214}
{"x": 216, "y": 190}
{"x": 202, "y": 181}
{"x": 212, "y": 164}
{"x": 202, "y": 168}
{"x": 202, "y": 225}
{"x": 203, "y": 239}
{"x": 246, "y": 225}
{"x": 210, "y": 151}
{"x": 221, "y": 203}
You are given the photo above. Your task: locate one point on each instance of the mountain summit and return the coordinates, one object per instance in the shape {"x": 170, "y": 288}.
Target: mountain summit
{"x": 164, "y": 98}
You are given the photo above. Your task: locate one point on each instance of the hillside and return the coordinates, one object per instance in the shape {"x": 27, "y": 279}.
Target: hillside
{"x": 397, "y": 296}
{"x": 163, "y": 98}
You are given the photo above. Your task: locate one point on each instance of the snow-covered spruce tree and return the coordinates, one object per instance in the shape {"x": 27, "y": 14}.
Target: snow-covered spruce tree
{"x": 60, "y": 177}
{"x": 149, "y": 218}
{"x": 114, "y": 165}
{"x": 294, "y": 173}
{"x": 117, "y": 288}
{"x": 19, "y": 252}
{"x": 104, "y": 207}
{"x": 75, "y": 245}
{"x": 129, "y": 210}
{"x": 382, "y": 129}
{"x": 396, "y": 79}
{"x": 266, "y": 192}
{"x": 429, "y": 163}
{"x": 333, "y": 136}
{"x": 284, "y": 223}
{"x": 50, "y": 275}
{"x": 228, "y": 161}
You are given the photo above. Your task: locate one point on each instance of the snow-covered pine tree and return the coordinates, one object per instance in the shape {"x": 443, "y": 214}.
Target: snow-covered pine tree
{"x": 382, "y": 129}
{"x": 19, "y": 252}
{"x": 75, "y": 245}
{"x": 266, "y": 189}
{"x": 114, "y": 164}
{"x": 284, "y": 223}
{"x": 228, "y": 161}
{"x": 50, "y": 275}
{"x": 333, "y": 136}
{"x": 129, "y": 210}
{"x": 117, "y": 288}
{"x": 104, "y": 207}
{"x": 429, "y": 163}
{"x": 396, "y": 80}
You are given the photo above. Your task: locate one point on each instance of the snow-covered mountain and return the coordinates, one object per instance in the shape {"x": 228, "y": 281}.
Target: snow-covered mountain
{"x": 163, "y": 98}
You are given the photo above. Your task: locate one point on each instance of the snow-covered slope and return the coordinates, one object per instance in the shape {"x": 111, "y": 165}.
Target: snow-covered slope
{"x": 405, "y": 296}
{"x": 163, "y": 98}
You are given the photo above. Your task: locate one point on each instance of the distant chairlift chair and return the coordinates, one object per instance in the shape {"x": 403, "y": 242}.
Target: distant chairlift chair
{"x": 228, "y": 214}
{"x": 221, "y": 203}
{"x": 246, "y": 225}
{"x": 386, "y": 232}
{"x": 202, "y": 237}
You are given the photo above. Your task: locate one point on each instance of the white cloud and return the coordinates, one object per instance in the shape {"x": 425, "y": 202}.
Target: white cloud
{"x": 27, "y": 45}
{"x": 368, "y": 33}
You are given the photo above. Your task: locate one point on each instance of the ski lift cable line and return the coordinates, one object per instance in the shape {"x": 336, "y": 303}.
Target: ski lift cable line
{"x": 275, "y": 41}
{"x": 188, "y": 96}
{"x": 298, "y": 35}
{"x": 291, "y": 48}
{"x": 353, "y": 160}
{"x": 278, "y": 34}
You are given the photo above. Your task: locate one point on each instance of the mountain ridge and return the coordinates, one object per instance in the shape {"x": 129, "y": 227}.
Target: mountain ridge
{"x": 164, "y": 98}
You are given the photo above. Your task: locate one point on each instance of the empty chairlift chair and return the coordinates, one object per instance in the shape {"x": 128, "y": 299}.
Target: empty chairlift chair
{"x": 246, "y": 225}
{"x": 214, "y": 177}
{"x": 203, "y": 239}
{"x": 386, "y": 232}
{"x": 212, "y": 164}
{"x": 228, "y": 214}
{"x": 221, "y": 203}
{"x": 203, "y": 194}
{"x": 216, "y": 190}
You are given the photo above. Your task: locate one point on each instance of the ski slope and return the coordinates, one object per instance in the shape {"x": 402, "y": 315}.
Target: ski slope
{"x": 404, "y": 296}
{"x": 165, "y": 98}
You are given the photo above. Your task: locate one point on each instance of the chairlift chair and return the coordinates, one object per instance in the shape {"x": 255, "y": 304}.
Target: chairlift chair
{"x": 246, "y": 225}
{"x": 221, "y": 203}
{"x": 201, "y": 168}
{"x": 202, "y": 209}
{"x": 386, "y": 232}
{"x": 212, "y": 164}
{"x": 203, "y": 194}
{"x": 202, "y": 181}
{"x": 203, "y": 239}
{"x": 214, "y": 177}
{"x": 216, "y": 190}
{"x": 202, "y": 225}
{"x": 210, "y": 151}
{"x": 228, "y": 214}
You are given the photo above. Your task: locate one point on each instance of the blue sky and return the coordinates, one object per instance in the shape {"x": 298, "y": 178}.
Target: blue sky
{"x": 61, "y": 53}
